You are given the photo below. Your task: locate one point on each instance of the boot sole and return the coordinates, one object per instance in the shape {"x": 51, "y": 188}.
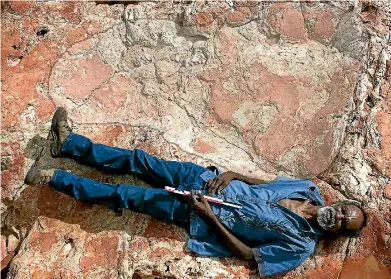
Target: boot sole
{"x": 30, "y": 175}
{"x": 54, "y": 132}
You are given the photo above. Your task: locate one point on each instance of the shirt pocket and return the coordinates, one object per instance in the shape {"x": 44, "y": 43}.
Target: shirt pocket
{"x": 248, "y": 228}
{"x": 208, "y": 175}
{"x": 233, "y": 218}
{"x": 253, "y": 223}
{"x": 191, "y": 186}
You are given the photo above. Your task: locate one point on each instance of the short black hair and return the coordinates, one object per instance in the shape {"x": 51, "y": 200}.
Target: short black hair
{"x": 353, "y": 233}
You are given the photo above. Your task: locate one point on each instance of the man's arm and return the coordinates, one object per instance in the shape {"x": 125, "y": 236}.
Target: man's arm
{"x": 237, "y": 247}
{"x": 220, "y": 182}
{"x": 252, "y": 180}
{"x": 202, "y": 208}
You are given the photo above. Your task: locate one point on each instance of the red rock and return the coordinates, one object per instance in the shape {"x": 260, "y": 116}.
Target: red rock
{"x": 40, "y": 58}
{"x": 15, "y": 167}
{"x": 369, "y": 13}
{"x": 150, "y": 148}
{"x": 42, "y": 241}
{"x": 100, "y": 251}
{"x": 139, "y": 245}
{"x": 37, "y": 273}
{"x": 222, "y": 102}
{"x": 107, "y": 135}
{"x": 21, "y": 6}
{"x": 328, "y": 270}
{"x": 20, "y": 87}
{"x": 106, "y": 274}
{"x": 65, "y": 274}
{"x": 287, "y": 94}
{"x": 53, "y": 204}
{"x": 45, "y": 108}
{"x": 268, "y": 145}
{"x": 76, "y": 35}
{"x": 324, "y": 25}
{"x": 161, "y": 230}
{"x": 292, "y": 25}
{"x": 71, "y": 11}
{"x": 288, "y": 21}
{"x": 383, "y": 119}
{"x": 202, "y": 147}
{"x": 159, "y": 252}
{"x": 387, "y": 76}
{"x": 242, "y": 272}
{"x": 80, "y": 46}
{"x": 239, "y": 16}
{"x": 381, "y": 157}
{"x": 3, "y": 248}
{"x": 367, "y": 268}
{"x": 85, "y": 75}
{"x": 92, "y": 27}
{"x": 329, "y": 194}
{"x": 7, "y": 259}
{"x": 204, "y": 19}
{"x": 275, "y": 88}
{"x": 372, "y": 239}
{"x": 19, "y": 91}
{"x": 12, "y": 44}
{"x": 219, "y": 276}
{"x": 274, "y": 8}
{"x": 223, "y": 105}
{"x": 113, "y": 95}
{"x": 387, "y": 191}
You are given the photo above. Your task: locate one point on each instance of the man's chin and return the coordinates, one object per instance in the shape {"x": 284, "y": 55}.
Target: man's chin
{"x": 325, "y": 218}
{"x": 326, "y": 227}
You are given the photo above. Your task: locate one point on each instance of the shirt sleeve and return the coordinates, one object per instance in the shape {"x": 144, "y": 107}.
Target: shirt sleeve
{"x": 277, "y": 257}
{"x": 204, "y": 240}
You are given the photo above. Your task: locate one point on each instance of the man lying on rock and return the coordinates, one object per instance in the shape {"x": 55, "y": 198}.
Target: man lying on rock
{"x": 278, "y": 224}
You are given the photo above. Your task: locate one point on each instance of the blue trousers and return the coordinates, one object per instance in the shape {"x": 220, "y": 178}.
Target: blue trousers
{"x": 156, "y": 202}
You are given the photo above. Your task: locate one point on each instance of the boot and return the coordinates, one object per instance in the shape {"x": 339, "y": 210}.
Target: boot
{"x": 37, "y": 176}
{"x": 59, "y": 131}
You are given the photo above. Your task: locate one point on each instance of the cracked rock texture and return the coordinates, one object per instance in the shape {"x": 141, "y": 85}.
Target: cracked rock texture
{"x": 293, "y": 88}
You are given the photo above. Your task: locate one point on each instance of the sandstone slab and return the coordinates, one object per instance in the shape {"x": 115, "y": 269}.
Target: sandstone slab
{"x": 298, "y": 89}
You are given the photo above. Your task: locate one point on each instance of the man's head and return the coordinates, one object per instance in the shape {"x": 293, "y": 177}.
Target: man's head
{"x": 344, "y": 217}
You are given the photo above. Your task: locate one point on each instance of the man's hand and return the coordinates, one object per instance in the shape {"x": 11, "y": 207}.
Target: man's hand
{"x": 220, "y": 182}
{"x": 201, "y": 207}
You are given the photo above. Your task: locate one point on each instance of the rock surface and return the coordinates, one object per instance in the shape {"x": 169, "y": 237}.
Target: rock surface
{"x": 297, "y": 89}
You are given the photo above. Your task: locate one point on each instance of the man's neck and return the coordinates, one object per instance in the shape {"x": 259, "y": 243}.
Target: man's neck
{"x": 303, "y": 208}
{"x": 310, "y": 211}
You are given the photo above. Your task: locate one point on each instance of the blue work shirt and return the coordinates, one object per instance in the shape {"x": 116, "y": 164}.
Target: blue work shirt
{"x": 280, "y": 239}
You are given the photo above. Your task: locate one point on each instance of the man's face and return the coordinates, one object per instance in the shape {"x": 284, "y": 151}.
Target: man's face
{"x": 340, "y": 216}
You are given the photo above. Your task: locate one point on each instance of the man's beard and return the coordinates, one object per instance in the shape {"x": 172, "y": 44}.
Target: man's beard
{"x": 326, "y": 217}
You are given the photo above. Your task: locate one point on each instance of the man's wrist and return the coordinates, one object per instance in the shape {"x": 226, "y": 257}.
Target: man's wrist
{"x": 233, "y": 174}
{"x": 211, "y": 217}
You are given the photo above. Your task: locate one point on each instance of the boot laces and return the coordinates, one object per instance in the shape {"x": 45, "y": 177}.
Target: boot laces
{"x": 46, "y": 177}
{"x": 66, "y": 126}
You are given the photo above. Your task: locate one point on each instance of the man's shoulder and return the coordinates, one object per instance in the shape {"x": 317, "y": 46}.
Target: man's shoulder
{"x": 304, "y": 188}
{"x": 304, "y": 244}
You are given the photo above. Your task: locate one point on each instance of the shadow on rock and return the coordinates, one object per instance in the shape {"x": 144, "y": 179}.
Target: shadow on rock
{"x": 41, "y": 200}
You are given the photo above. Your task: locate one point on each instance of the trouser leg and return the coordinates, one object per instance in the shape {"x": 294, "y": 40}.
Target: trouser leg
{"x": 158, "y": 203}
{"x": 153, "y": 170}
